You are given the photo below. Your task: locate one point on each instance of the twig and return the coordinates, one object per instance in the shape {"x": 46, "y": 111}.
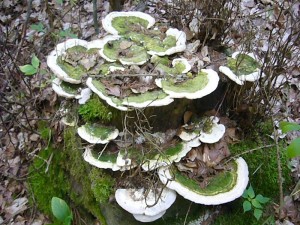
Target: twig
{"x": 187, "y": 213}
{"x": 29, "y": 8}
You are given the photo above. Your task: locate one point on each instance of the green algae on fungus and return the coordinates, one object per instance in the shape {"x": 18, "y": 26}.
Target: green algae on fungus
{"x": 98, "y": 88}
{"x": 75, "y": 72}
{"x": 129, "y": 23}
{"x": 155, "y": 44}
{"x": 97, "y": 133}
{"x": 156, "y": 158}
{"x": 205, "y": 82}
{"x": 223, "y": 187}
{"x": 126, "y": 51}
{"x": 122, "y": 22}
{"x": 70, "y": 88}
{"x": 147, "y": 99}
{"x": 221, "y": 183}
{"x": 243, "y": 64}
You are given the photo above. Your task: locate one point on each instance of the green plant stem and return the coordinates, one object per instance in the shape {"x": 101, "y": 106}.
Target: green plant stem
{"x": 279, "y": 170}
{"x": 95, "y": 16}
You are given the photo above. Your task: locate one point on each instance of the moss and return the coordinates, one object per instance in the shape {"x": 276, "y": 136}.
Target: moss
{"x": 102, "y": 184}
{"x": 47, "y": 181}
{"x": 263, "y": 166}
{"x": 79, "y": 170}
{"x": 44, "y": 130}
{"x": 94, "y": 109}
{"x": 263, "y": 177}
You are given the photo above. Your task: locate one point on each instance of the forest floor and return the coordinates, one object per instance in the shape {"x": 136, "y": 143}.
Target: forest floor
{"x": 34, "y": 27}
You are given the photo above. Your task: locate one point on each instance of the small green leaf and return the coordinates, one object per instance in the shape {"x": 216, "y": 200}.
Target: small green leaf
{"x": 35, "y": 62}
{"x": 59, "y": 1}
{"x": 257, "y": 213}
{"x": 250, "y": 192}
{"x": 256, "y": 204}
{"x": 293, "y": 150}
{"x": 38, "y": 27}
{"x": 61, "y": 210}
{"x": 28, "y": 69}
{"x": 288, "y": 126}
{"x": 262, "y": 199}
{"x": 246, "y": 206}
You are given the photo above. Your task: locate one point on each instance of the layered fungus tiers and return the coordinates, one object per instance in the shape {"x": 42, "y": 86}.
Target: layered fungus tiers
{"x": 138, "y": 76}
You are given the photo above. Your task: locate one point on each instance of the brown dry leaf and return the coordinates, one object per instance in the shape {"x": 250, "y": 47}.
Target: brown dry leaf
{"x": 125, "y": 45}
{"x": 114, "y": 90}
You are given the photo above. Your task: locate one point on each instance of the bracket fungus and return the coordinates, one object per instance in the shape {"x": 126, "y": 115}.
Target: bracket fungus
{"x": 225, "y": 187}
{"x": 124, "y": 50}
{"x": 56, "y": 59}
{"x": 242, "y": 67}
{"x": 97, "y": 134}
{"x": 122, "y": 22}
{"x": 108, "y": 160}
{"x": 145, "y": 205}
{"x": 214, "y": 133}
{"x": 169, "y": 155}
{"x": 175, "y": 41}
{"x": 204, "y": 83}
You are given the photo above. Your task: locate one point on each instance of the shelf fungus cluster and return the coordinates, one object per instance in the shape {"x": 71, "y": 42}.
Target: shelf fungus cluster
{"x": 242, "y": 67}
{"x": 138, "y": 66}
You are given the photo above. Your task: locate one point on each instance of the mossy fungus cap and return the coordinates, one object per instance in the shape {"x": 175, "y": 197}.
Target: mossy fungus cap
{"x": 102, "y": 95}
{"x": 235, "y": 192}
{"x": 103, "y": 164}
{"x": 191, "y": 92}
{"x": 215, "y": 133}
{"x": 160, "y": 160}
{"x": 180, "y": 46}
{"x": 59, "y": 90}
{"x": 241, "y": 79}
{"x": 139, "y": 201}
{"x": 60, "y": 49}
{"x": 156, "y": 98}
{"x": 105, "y": 40}
{"x": 97, "y": 134}
{"x": 107, "y": 21}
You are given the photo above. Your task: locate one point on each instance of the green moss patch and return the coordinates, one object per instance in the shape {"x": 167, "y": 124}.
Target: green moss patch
{"x": 243, "y": 64}
{"x": 105, "y": 156}
{"x": 94, "y": 109}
